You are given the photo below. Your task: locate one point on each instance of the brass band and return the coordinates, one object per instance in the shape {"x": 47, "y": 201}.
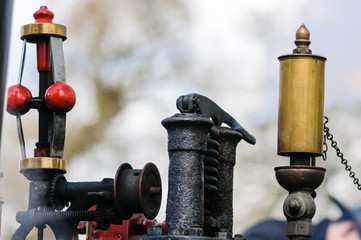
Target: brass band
{"x": 34, "y": 30}
{"x": 43, "y": 163}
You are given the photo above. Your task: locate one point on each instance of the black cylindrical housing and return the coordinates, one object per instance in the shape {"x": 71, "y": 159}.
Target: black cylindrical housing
{"x": 187, "y": 143}
{"x": 82, "y": 195}
{"x": 227, "y": 159}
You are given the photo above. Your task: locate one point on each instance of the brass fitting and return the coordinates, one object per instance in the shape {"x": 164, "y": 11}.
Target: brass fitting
{"x": 43, "y": 163}
{"x": 301, "y": 100}
{"x": 31, "y": 31}
{"x": 43, "y": 27}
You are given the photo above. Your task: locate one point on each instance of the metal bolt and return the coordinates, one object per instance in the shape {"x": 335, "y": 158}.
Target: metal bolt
{"x": 223, "y": 234}
{"x": 294, "y": 205}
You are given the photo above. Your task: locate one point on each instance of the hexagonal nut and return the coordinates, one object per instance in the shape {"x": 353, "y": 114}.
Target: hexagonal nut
{"x": 299, "y": 228}
{"x": 195, "y": 231}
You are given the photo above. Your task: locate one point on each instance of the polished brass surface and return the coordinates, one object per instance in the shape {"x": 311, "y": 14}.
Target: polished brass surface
{"x": 301, "y": 101}
{"x": 34, "y": 30}
{"x": 43, "y": 163}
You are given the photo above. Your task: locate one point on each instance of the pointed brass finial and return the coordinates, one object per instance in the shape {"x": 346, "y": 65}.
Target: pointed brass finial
{"x": 302, "y": 40}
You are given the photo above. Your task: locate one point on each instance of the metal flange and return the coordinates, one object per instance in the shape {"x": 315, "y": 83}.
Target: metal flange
{"x": 137, "y": 191}
{"x": 31, "y": 32}
{"x": 43, "y": 163}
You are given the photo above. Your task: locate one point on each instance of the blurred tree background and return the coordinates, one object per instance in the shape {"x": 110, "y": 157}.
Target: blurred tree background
{"x": 129, "y": 60}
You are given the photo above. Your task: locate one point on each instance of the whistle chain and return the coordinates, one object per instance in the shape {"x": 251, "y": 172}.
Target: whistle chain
{"x": 348, "y": 168}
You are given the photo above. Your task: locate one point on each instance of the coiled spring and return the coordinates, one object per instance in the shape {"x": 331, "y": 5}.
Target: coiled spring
{"x": 211, "y": 164}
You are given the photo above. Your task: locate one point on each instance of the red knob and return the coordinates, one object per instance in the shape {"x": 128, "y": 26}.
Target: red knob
{"x": 60, "y": 97}
{"x": 43, "y": 15}
{"x": 18, "y": 100}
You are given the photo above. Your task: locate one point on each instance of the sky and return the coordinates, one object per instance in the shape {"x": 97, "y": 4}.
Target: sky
{"x": 233, "y": 48}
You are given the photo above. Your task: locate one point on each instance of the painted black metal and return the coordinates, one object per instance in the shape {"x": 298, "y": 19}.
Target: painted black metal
{"x": 36, "y": 217}
{"x": 6, "y": 7}
{"x": 211, "y": 164}
{"x": 81, "y": 195}
{"x": 38, "y": 194}
{"x": 63, "y": 224}
{"x": 187, "y": 144}
{"x": 57, "y": 135}
{"x": 196, "y": 103}
{"x": 201, "y": 162}
{"x": 44, "y": 113}
{"x": 58, "y": 126}
{"x": 22, "y": 232}
{"x": 299, "y": 207}
{"x": 127, "y": 194}
{"x": 223, "y": 213}
{"x": 132, "y": 191}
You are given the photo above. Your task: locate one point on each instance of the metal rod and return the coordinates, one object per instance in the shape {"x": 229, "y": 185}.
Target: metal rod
{"x": 6, "y": 7}
{"x": 40, "y": 232}
{"x": 22, "y": 62}
{"x": 43, "y": 112}
{"x": 21, "y": 136}
{"x": 5, "y": 25}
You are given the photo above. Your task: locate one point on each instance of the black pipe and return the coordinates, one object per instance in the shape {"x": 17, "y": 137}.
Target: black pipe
{"x": 6, "y": 7}
{"x": 82, "y": 195}
{"x": 5, "y": 26}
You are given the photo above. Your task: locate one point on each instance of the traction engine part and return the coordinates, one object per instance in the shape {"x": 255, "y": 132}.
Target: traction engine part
{"x": 201, "y": 161}
{"x": 54, "y": 201}
{"x": 132, "y": 229}
{"x": 301, "y": 97}
{"x": 18, "y": 100}
{"x": 60, "y": 97}
{"x": 211, "y": 165}
{"x": 131, "y": 191}
{"x": 300, "y": 133}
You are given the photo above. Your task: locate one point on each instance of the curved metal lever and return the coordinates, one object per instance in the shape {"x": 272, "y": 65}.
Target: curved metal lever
{"x": 196, "y": 103}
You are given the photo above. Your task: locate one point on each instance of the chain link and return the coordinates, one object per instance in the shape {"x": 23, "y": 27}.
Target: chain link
{"x": 348, "y": 168}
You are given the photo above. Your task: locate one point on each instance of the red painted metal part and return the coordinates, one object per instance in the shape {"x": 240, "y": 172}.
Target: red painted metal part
{"x": 60, "y": 97}
{"x": 18, "y": 100}
{"x": 43, "y": 55}
{"x": 41, "y": 152}
{"x": 132, "y": 229}
{"x": 43, "y": 15}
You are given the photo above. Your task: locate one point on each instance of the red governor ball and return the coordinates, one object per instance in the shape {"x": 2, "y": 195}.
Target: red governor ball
{"x": 60, "y": 97}
{"x": 18, "y": 100}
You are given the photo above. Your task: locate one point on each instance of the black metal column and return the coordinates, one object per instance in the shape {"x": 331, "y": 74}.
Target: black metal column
{"x": 6, "y": 7}
{"x": 227, "y": 159}
{"x": 187, "y": 143}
